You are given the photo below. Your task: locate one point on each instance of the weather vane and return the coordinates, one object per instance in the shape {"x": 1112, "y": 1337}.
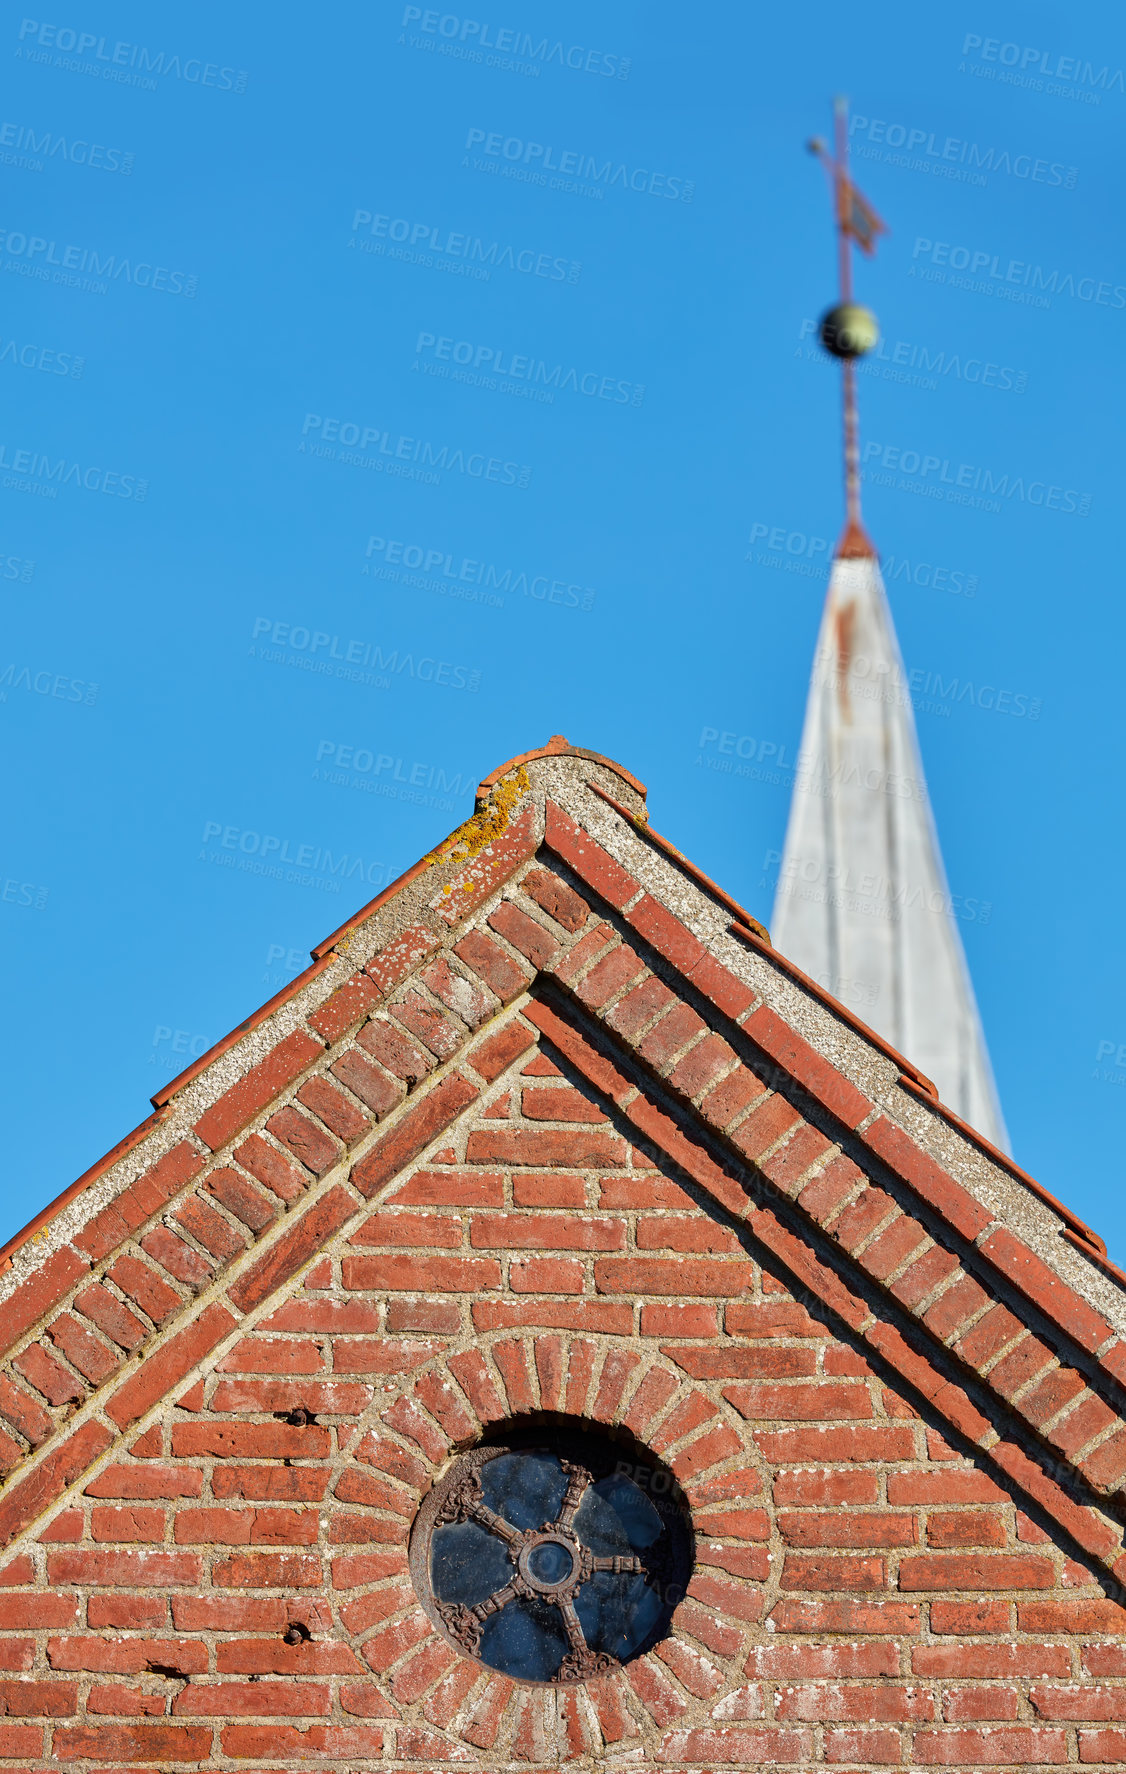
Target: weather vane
{"x": 848, "y": 330}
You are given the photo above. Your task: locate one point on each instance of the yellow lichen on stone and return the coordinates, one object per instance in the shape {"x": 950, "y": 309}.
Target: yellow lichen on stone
{"x": 489, "y": 821}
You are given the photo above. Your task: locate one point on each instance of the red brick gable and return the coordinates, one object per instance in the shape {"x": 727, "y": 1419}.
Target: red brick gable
{"x": 863, "y": 1592}
{"x": 547, "y": 1150}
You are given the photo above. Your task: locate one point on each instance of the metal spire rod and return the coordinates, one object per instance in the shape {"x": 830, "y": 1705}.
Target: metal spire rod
{"x": 847, "y": 331}
{"x": 840, "y": 192}
{"x": 854, "y": 526}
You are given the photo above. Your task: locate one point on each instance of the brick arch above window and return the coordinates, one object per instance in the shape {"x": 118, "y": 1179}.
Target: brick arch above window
{"x": 630, "y": 1388}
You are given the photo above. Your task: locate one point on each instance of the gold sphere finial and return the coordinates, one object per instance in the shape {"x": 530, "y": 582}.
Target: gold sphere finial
{"x": 848, "y": 330}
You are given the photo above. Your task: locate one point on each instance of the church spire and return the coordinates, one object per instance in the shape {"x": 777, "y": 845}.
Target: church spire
{"x": 862, "y": 903}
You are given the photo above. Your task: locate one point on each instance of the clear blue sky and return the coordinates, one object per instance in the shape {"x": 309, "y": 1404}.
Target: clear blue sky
{"x": 208, "y": 207}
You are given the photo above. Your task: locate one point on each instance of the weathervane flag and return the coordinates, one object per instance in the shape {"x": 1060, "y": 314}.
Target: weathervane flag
{"x": 855, "y": 216}
{"x": 858, "y": 218}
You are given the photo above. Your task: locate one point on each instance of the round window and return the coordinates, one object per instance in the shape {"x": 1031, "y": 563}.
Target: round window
{"x": 551, "y": 1564}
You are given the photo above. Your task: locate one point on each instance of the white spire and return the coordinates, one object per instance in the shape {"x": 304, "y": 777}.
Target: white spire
{"x": 862, "y": 902}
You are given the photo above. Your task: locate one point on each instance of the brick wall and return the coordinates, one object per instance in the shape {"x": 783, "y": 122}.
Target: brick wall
{"x": 243, "y": 1375}
{"x": 863, "y": 1595}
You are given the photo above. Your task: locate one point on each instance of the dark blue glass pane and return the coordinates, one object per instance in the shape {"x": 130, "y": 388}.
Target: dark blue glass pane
{"x": 550, "y": 1563}
{"x": 617, "y": 1613}
{"x": 598, "y": 1525}
{"x": 467, "y": 1563}
{"x": 640, "y": 1522}
{"x": 527, "y": 1489}
{"x": 526, "y": 1639}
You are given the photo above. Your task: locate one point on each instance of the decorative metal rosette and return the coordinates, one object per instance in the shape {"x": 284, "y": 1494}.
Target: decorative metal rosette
{"x": 551, "y": 1566}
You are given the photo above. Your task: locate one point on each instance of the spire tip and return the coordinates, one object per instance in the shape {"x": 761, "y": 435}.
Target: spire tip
{"x": 855, "y": 543}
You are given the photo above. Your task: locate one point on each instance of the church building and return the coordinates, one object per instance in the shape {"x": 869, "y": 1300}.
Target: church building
{"x": 553, "y": 1331}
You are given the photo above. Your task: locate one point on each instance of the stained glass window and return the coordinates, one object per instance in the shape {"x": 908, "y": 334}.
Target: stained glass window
{"x": 554, "y": 1563}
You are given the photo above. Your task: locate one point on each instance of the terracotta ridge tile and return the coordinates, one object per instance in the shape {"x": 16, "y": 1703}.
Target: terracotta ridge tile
{"x": 557, "y": 747}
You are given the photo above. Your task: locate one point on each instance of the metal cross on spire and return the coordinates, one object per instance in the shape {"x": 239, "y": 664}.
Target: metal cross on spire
{"x": 848, "y": 330}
